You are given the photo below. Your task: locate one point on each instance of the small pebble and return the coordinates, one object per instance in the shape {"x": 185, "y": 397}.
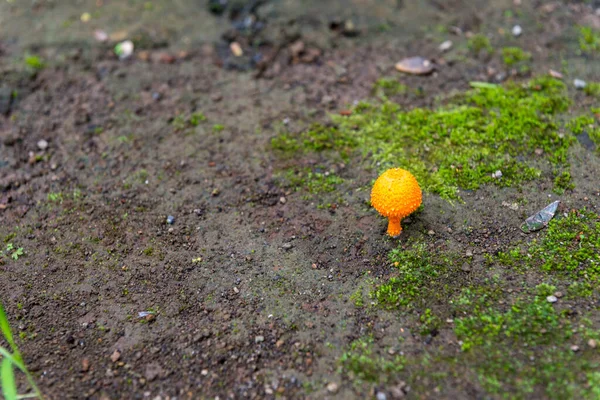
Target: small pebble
{"x": 332, "y": 387}
{"x": 381, "y": 396}
{"x": 430, "y": 232}
{"x": 204, "y": 372}
{"x": 282, "y": 200}
{"x": 236, "y": 49}
{"x": 445, "y": 46}
{"x": 558, "y": 294}
{"x": 579, "y": 84}
{"x": 592, "y": 343}
{"x": 100, "y": 35}
{"x": 517, "y": 30}
{"x": 469, "y": 253}
{"x": 555, "y": 74}
{"x": 415, "y": 66}
{"x": 574, "y": 348}
{"x": 551, "y": 299}
{"x": 170, "y": 220}
{"x": 236, "y": 290}
{"x": 259, "y": 339}
{"x": 287, "y": 246}
{"x": 115, "y": 356}
{"x": 42, "y": 144}
{"x": 497, "y": 174}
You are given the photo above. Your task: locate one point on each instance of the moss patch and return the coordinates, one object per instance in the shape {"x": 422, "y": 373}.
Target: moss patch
{"x": 317, "y": 139}
{"x": 460, "y": 145}
{"x": 589, "y": 40}
{"x": 480, "y": 43}
{"x": 514, "y": 55}
{"x": 570, "y": 249}
{"x": 527, "y": 350}
{"x": 386, "y": 87}
{"x": 425, "y": 279}
{"x": 361, "y": 363}
{"x": 312, "y": 180}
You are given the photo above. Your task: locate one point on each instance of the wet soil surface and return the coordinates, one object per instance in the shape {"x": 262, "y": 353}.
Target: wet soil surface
{"x": 149, "y": 185}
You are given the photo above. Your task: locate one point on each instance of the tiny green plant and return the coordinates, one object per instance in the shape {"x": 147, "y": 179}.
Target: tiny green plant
{"x": 9, "y": 362}
{"x": 589, "y": 40}
{"x": 34, "y": 62}
{"x": 14, "y": 253}
{"x": 480, "y": 43}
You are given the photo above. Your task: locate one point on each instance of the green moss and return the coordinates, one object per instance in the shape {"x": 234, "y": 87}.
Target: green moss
{"x": 578, "y": 124}
{"x": 361, "y": 363}
{"x": 592, "y": 89}
{"x": 318, "y": 138}
{"x": 420, "y": 278}
{"x": 514, "y": 55}
{"x": 525, "y": 350}
{"x": 386, "y": 87}
{"x": 34, "y": 62}
{"x": 543, "y": 289}
{"x": 589, "y": 40}
{"x": 357, "y": 298}
{"x": 196, "y": 118}
{"x": 459, "y": 145}
{"x": 181, "y": 122}
{"x": 478, "y": 43}
{"x": 218, "y": 127}
{"x": 430, "y": 323}
{"x": 415, "y": 270}
{"x": 312, "y": 180}
{"x": 569, "y": 249}
{"x": 563, "y": 182}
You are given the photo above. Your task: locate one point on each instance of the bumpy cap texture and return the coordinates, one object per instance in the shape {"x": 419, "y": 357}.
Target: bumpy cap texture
{"x": 396, "y": 193}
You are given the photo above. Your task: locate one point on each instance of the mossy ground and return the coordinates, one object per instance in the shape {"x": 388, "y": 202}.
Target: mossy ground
{"x": 520, "y": 130}
{"x": 276, "y": 278}
{"x": 512, "y": 342}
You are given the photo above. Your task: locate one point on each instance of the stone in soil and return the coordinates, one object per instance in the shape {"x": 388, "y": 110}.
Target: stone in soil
{"x": 415, "y": 66}
{"x": 332, "y": 387}
{"x": 115, "y": 356}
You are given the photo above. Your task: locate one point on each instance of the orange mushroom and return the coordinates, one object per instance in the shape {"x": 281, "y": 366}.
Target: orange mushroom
{"x": 395, "y": 195}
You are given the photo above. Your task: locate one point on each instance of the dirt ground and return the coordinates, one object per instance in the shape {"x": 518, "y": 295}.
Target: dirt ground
{"x": 249, "y": 288}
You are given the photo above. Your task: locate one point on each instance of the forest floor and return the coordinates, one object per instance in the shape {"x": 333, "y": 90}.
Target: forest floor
{"x": 226, "y": 198}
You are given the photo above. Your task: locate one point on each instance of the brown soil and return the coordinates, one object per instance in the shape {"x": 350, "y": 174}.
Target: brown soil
{"x": 250, "y": 284}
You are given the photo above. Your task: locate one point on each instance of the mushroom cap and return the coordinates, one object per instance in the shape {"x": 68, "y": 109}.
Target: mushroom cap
{"x": 396, "y": 193}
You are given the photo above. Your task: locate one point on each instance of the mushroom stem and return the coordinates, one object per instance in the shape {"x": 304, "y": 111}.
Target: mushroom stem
{"x": 394, "y": 227}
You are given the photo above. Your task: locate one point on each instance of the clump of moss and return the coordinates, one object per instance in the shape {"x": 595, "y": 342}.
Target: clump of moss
{"x": 459, "y": 145}
{"x": 570, "y": 249}
{"x": 578, "y": 124}
{"x": 525, "y": 350}
{"x": 313, "y": 180}
{"x": 589, "y": 40}
{"x": 415, "y": 270}
{"x": 514, "y": 55}
{"x": 480, "y": 43}
{"x": 420, "y": 277}
{"x": 34, "y": 63}
{"x": 464, "y": 143}
{"x": 317, "y": 139}
{"x": 360, "y": 363}
{"x": 181, "y": 122}
{"x": 592, "y": 89}
{"x": 386, "y": 87}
